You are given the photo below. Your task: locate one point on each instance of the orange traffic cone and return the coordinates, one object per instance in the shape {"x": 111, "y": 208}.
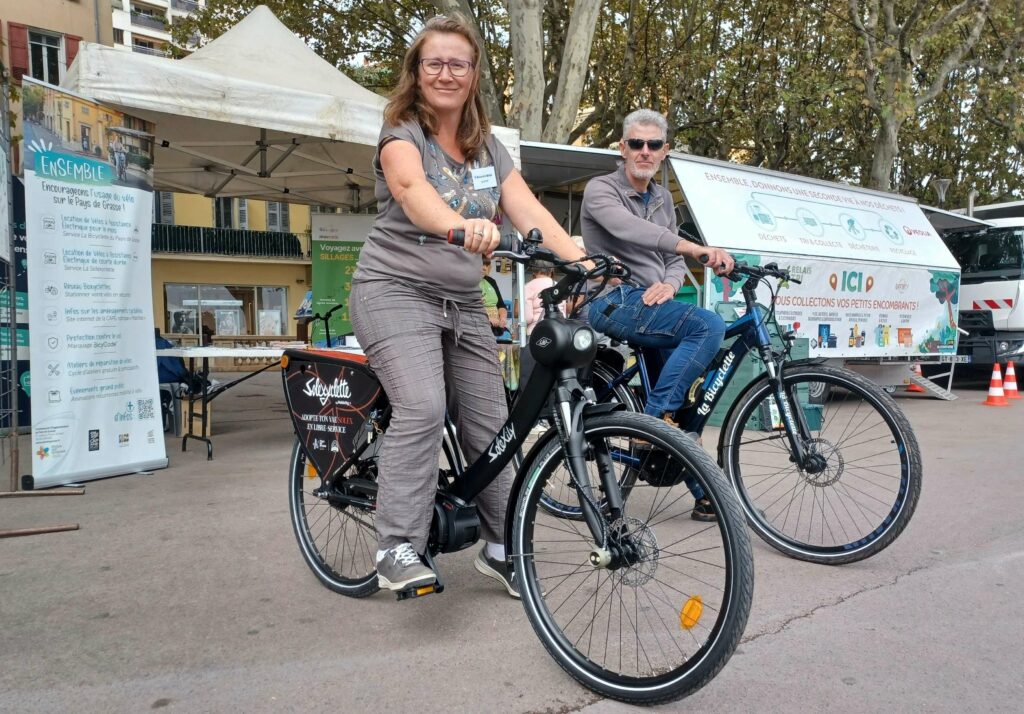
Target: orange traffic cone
{"x": 913, "y": 387}
{"x": 996, "y": 398}
{"x": 1010, "y": 386}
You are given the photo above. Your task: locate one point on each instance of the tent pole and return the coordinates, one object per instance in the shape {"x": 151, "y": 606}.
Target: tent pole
{"x": 263, "y": 152}
{"x": 10, "y": 399}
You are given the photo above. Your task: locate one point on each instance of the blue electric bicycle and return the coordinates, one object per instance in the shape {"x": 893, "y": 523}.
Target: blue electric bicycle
{"x": 825, "y": 464}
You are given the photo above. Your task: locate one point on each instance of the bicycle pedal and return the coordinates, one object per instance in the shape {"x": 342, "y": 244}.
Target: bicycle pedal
{"x": 419, "y": 592}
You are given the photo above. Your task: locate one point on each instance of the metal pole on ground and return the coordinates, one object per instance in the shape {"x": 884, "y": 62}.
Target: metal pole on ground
{"x": 9, "y": 400}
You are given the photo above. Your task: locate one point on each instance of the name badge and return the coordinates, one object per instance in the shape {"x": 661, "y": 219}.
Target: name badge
{"x": 484, "y": 178}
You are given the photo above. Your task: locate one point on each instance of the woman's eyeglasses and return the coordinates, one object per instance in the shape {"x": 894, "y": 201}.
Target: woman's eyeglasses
{"x": 458, "y": 68}
{"x": 637, "y": 144}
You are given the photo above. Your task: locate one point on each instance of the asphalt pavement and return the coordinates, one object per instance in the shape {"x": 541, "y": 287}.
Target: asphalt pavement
{"x": 184, "y": 590}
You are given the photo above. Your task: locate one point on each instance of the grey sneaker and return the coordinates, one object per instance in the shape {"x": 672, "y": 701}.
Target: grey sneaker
{"x": 499, "y": 570}
{"x": 401, "y": 569}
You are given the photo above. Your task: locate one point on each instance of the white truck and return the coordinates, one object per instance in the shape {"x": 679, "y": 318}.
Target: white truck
{"x": 991, "y": 285}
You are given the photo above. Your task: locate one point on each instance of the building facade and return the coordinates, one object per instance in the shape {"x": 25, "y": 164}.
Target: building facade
{"x": 230, "y": 270}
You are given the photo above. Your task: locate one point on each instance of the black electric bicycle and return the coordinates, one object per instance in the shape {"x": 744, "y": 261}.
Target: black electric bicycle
{"x": 825, "y": 464}
{"x": 635, "y": 600}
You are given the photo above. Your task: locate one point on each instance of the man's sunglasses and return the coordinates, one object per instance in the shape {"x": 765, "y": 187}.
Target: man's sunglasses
{"x": 652, "y": 144}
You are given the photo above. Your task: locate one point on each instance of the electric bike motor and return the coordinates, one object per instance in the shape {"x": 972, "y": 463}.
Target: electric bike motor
{"x": 455, "y": 525}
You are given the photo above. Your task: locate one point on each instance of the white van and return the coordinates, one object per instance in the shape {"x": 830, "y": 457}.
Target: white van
{"x": 992, "y": 284}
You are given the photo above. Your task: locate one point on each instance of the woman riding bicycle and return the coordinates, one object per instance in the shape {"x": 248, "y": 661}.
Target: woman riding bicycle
{"x": 416, "y": 304}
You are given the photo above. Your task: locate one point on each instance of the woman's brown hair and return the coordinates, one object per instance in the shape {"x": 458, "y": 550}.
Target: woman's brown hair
{"x": 406, "y": 103}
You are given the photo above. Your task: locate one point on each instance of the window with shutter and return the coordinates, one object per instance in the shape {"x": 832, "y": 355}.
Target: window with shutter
{"x": 243, "y": 214}
{"x": 222, "y": 210}
{"x": 277, "y": 217}
{"x": 273, "y": 216}
{"x": 71, "y": 48}
{"x": 163, "y": 207}
{"x": 46, "y": 56}
{"x": 17, "y": 37}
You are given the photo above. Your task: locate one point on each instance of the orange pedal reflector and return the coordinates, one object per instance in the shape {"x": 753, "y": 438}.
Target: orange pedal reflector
{"x": 425, "y": 590}
{"x": 689, "y": 616}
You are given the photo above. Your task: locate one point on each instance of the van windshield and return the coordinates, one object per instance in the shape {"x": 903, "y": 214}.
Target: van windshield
{"x": 988, "y": 254}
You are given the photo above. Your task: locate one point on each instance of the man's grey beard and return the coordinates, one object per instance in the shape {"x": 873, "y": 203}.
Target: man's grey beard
{"x": 643, "y": 174}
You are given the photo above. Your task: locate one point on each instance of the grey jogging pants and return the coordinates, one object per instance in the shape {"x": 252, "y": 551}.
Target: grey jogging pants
{"x": 418, "y": 345}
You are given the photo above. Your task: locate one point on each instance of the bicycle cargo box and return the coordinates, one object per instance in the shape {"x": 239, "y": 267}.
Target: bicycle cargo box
{"x": 330, "y": 396}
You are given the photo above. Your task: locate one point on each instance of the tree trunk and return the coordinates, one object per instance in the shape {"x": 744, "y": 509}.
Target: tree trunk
{"x": 572, "y": 71}
{"x": 886, "y": 146}
{"x": 527, "y": 43}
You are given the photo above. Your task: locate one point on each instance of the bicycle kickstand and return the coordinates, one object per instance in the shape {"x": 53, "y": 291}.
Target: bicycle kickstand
{"x": 435, "y": 587}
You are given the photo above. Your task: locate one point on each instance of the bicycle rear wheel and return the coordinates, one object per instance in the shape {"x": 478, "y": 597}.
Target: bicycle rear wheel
{"x": 338, "y": 542}
{"x": 863, "y": 482}
{"x": 665, "y": 615}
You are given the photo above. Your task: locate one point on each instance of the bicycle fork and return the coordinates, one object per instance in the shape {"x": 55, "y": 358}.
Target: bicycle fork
{"x": 569, "y": 407}
{"x": 794, "y": 422}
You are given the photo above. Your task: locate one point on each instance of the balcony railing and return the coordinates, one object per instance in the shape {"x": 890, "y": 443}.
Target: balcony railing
{"x": 151, "y": 21}
{"x": 150, "y": 51}
{"x": 223, "y": 241}
{"x": 186, "y": 5}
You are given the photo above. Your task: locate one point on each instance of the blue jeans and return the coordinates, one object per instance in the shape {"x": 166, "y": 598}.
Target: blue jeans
{"x": 687, "y": 336}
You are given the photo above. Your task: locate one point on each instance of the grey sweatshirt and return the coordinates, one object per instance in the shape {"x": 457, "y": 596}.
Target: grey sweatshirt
{"x": 616, "y": 222}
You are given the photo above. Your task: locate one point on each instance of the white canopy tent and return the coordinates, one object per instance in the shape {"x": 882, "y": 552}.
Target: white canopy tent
{"x": 255, "y": 113}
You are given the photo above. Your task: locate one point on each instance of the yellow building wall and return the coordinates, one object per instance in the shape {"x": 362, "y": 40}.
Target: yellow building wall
{"x": 191, "y": 209}
{"x": 257, "y": 215}
{"x": 294, "y": 276}
{"x": 298, "y": 217}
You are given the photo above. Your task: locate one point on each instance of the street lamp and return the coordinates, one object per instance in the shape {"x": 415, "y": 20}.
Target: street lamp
{"x": 941, "y": 186}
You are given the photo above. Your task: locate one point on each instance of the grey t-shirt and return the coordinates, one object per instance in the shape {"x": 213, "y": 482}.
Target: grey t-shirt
{"x": 396, "y": 249}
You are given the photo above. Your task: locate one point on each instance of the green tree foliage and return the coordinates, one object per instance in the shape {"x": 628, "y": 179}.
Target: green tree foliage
{"x": 884, "y": 93}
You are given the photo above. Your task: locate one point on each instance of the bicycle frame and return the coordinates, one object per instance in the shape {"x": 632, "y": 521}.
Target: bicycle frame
{"x": 556, "y": 373}
{"x": 751, "y": 334}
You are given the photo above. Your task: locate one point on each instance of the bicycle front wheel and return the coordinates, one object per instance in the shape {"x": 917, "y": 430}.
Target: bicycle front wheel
{"x": 860, "y": 482}
{"x": 661, "y": 617}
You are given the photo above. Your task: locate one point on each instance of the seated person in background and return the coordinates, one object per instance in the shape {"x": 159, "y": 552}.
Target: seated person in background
{"x": 169, "y": 369}
{"x": 543, "y": 278}
{"x": 630, "y": 216}
{"x": 494, "y": 303}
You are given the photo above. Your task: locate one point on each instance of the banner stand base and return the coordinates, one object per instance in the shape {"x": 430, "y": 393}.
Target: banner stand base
{"x": 18, "y": 532}
{"x": 29, "y": 492}
{"x": 26, "y": 484}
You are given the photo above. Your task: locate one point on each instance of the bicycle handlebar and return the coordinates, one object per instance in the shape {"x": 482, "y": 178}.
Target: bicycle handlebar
{"x": 457, "y": 236}
{"x": 769, "y": 270}
{"x": 327, "y": 315}
{"x": 528, "y": 250}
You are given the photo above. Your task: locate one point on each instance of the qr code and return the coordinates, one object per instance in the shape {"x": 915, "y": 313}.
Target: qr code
{"x": 145, "y": 408}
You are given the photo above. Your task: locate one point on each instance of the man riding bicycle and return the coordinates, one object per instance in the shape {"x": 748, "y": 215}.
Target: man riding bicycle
{"x": 628, "y": 215}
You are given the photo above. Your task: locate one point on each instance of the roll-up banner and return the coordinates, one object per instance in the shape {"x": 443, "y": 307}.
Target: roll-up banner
{"x": 877, "y": 280}
{"x": 88, "y": 215}
{"x": 337, "y": 239}
{"x": 24, "y": 376}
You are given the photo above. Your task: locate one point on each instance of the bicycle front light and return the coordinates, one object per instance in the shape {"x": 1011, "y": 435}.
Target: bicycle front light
{"x": 583, "y": 340}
